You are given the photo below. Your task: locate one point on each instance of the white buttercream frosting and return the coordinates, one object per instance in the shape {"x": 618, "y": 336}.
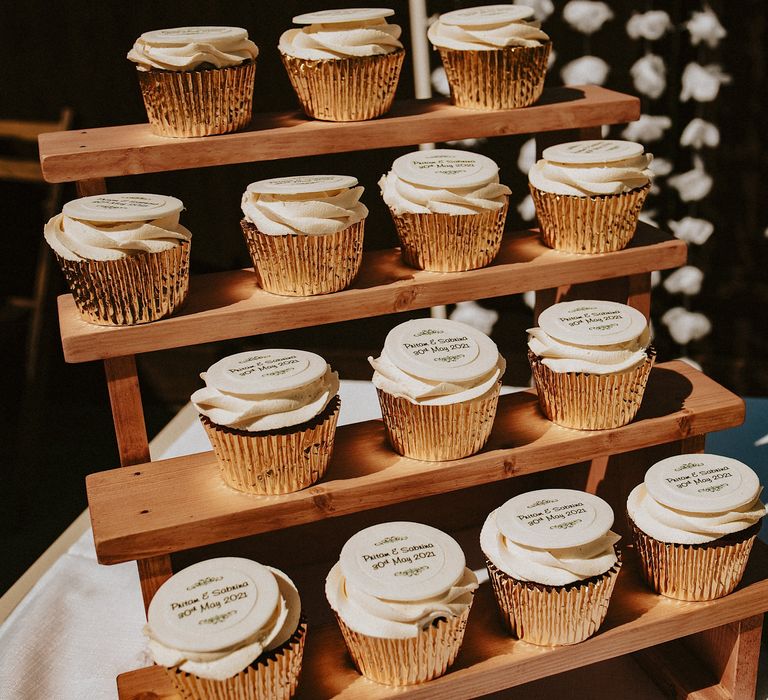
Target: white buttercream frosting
{"x": 371, "y": 37}
{"x": 551, "y": 567}
{"x": 561, "y": 356}
{"x": 225, "y": 663}
{"x": 585, "y": 179}
{"x": 270, "y": 410}
{"x": 77, "y": 239}
{"x": 485, "y": 37}
{"x": 403, "y": 197}
{"x": 669, "y": 524}
{"x": 308, "y": 213}
{"x": 395, "y": 619}
{"x": 219, "y": 52}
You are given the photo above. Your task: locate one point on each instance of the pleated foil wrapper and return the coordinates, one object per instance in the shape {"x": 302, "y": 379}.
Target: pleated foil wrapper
{"x": 438, "y": 433}
{"x": 198, "y": 102}
{"x": 450, "y": 242}
{"x": 505, "y": 78}
{"x": 272, "y": 462}
{"x": 597, "y": 224}
{"x": 553, "y": 615}
{"x": 135, "y": 289}
{"x": 694, "y": 571}
{"x": 345, "y": 89}
{"x": 273, "y": 676}
{"x": 299, "y": 265}
{"x": 591, "y": 401}
{"x": 408, "y": 661}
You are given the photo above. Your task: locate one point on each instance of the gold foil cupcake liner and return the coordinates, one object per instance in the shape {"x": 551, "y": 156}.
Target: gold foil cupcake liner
{"x": 132, "y": 290}
{"x": 553, "y": 615}
{"x": 694, "y": 571}
{"x": 299, "y": 265}
{"x": 345, "y": 89}
{"x": 198, "y": 102}
{"x": 591, "y": 401}
{"x": 408, "y": 661}
{"x": 450, "y": 242}
{"x": 272, "y": 462}
{"x": 497, "y": 79}
{"x": 273, "y": 676}
{"x": 439, "y": 433}
{"x": 596, "y": 224}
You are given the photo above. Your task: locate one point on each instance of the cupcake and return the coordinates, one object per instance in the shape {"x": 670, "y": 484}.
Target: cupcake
{"x": 438, "y": 383}
{"x": 401, "y": 593}
{"x": 344, "y": 64}
{"x": 590, "y": 362}
{"x": 553, "y": 562}
{"x": 271, "y": 418}
{"x": 588, "y": 194}
{"x": 495, "y": 56}
{"x": 228, "y": 628}
{"x": 304, "y": 233}
{"x": 694, "y": 519}
{"x": 196, "y": 81}
{"x": 448, "y": 207}
{"x": 125, "y": 256}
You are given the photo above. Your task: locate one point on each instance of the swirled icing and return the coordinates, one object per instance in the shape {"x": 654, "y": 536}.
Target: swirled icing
{"x": 584, "y": 179}
{"x": 77, "y": 239}
{"x": 378, "y": 617}
{"x": 676, "y": 526}
{"x": 220, "y": 665}
{"x": 404, "y": 197}
{"x": 551, "y": 567}
{"x": 486, "y": 37}
{"x": 341, "y": 40}
{"x": 312, "y": 214}
{"x": 220, "y": 53}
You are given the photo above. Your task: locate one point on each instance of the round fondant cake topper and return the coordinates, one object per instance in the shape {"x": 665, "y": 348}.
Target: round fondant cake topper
{"x": 350, "y": 14}
{"x": 265, "y": 371}
{"x": 445, "y": 167}
{"x": 193, "y": 35}
{"x": 402, "y": 561}
{"x": 487, "y": 14}
{"x": 440, "y": 349}
{"x": 592, "y": 152}
{"x": 702, "y": 483}
{"x": 592, "y": 323}
{"x": 213, "y": 605}
{"x": 127, "y": 206}
{"x": 554, "y": 518}
{"x": 302, "y": 184}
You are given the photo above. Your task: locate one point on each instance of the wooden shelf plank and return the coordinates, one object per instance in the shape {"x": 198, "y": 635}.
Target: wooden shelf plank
{"x": 133, "y": 149}
{"x": 177, "y": 504}
{"x": 230, "y": 305}
{"x": 490, "y": 660}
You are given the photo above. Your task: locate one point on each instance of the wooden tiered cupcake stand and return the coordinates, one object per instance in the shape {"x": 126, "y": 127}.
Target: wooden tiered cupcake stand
{"x": 147, "y": 511}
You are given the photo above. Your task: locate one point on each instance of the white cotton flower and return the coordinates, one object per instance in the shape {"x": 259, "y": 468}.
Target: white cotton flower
{"x": 529, "y": 299}
{"x": 692, "y": 230}
{"x": 648, "y": 216}
{"x": 527, "y": 157}
{"x": 646, "y": 129}
{"x": 541, "y": 8}
{"x": 440, "y": 81}
{"x": 702, "y": 83}
{"x": 587, "y": 16}
{"x": 526, "y": 209}
{"x": 660, "y": 167}
{"x": 685, "y": 326}
{"x": 655, "y": 278}
{"x": 651, "y": 25}
{"x": 705, "y": 27}
{"x": 693, "y": 185}
{"x": 685, "y": 280}
{"x": 468, "y": 144}
{"x": 587, "y": 70}
{"x": 692, "y": 363}
{"x": 551, "y": 58}
{"x": 474, "y": 315}
{"x": 700, "y": 133}
{"x": 649, "y": 75}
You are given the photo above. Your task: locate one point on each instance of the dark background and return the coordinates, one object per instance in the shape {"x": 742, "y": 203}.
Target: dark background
{"x": 56, "y": 428}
